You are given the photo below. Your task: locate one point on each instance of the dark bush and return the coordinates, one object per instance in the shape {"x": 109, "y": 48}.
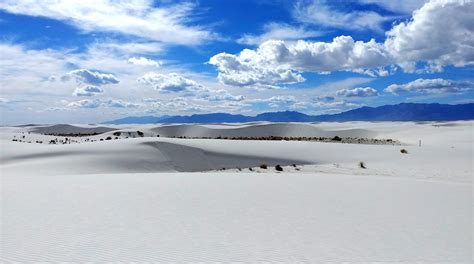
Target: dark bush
{"x": 108, "y": 138}
{"x": 117, "y": 133}
{"x": 264, "y": 166}
{"x": 362, "y": 165}
{"x": 278, "y": 168}
{"x": 140, "y": 133}
{"x": 404, "y": 151}
{"x": 336, "y": 138}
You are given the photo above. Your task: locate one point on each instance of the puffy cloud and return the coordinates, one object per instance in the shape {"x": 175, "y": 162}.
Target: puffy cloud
{"x": 175, "y": 83}
{"x": 431, "y": 86}
{"x": 221, "y": 95}
{"x": 358, "y": 92}
{"x": 277, "y": 62}
{"x": 142, "y": 61}
{"x": 167, "y": 23}
{"x": 325, "y": 99}
{"x": 323, "y": 102}
{"x": 96, "y": 103}
{"x": 250, "y": 68}
{"x": 86, "y": 103}
{"x": 84, "y": 76}
{"x": 321, "y": 13}
{"x": 288, "y": 101}
{"x": 118, "y": 104}
{"x": 440, "y": 33}
{"x": 171, "y": 83}
{"x": 275, "y": 99}
{"x": 279, "y": 31}
{"x": 88, "y": 90}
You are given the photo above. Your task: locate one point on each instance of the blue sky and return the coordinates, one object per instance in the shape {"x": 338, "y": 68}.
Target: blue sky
{"x": 91, "y": 61}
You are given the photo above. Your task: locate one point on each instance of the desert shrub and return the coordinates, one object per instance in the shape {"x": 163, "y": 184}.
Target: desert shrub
{"x": 116, "y": 138}
{"x": 294, "y": 165}
{"x": 250, "y": 169}
{"x": 337, "y": 138}
{"x": 264, "y": 166}
{"x": 101, "y": 139}
{"x": 362, "y": 165}
{"x": 117, "y": 133}
{"x": 108, "y": 138}
{"x": 140, "y": 133}
{"x": 278, "y": 168}
{"x": 404, "y": 151}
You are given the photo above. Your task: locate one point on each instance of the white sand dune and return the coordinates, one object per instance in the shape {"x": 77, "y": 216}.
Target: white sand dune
{"x": 137, "y": 200}
{"x": 240, "y": 217}
{"x": 258, "y": 130}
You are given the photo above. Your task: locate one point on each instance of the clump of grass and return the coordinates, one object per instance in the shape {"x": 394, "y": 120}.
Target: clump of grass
{"x": 362, "y": 165}
{"x": 264, "y": 166}
{"x": 278, "y": 168}
{"x": 250, "y": 169}
{"x": 337, "y": 138}
{"x": 404, "y": 151}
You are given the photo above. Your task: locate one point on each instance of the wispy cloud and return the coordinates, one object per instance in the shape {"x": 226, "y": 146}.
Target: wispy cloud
{"x": 279, "y": 31}
{"x": 322, "y": 13}
{"x": 167, "y": 24}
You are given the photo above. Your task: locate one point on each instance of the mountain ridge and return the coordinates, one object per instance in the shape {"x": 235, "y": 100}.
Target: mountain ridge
{"x": 398, "y": 112}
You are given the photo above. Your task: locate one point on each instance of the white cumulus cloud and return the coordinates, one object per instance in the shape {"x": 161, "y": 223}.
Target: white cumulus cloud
{"x": 84, "y": 76}
{"x": 431, "y": 86}
{"x": 88, "y": 90}
{"x": 440, "y": 33}
{"x": 96, "y": 103}
{"x": 142, "y": 61}
{"x": 170, "y": 83}
{"x": 277, "y": 62}
{"x": 358, "y": 92}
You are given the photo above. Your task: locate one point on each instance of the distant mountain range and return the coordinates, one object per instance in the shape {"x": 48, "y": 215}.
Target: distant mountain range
{"x": 399, "y": 112}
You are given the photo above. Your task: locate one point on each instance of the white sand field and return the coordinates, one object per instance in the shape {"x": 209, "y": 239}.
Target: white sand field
{"x": 142, "y": 198}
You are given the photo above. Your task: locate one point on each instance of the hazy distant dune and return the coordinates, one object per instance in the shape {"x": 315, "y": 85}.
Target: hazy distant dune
{"x": 70, "y": 129}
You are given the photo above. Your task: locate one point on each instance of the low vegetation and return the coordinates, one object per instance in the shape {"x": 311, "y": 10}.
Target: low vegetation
{"x": 362, "y": 165}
